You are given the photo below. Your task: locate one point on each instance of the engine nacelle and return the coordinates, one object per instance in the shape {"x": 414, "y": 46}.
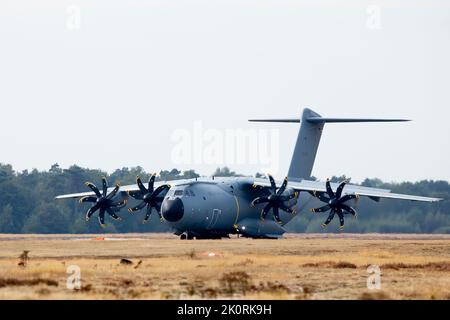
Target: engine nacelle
{"x": 289, "y": 192}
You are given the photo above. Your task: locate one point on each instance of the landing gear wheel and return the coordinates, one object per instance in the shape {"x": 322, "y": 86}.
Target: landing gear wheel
{"x": 190, "y": 236}
{"x": 183, "y": 236}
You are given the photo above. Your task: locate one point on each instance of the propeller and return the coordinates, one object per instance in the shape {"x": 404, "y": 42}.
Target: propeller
{"x": 335, "y": 203}
{"x": 103, "y": 202}
{"x": 149, "y": 197}
{"x": 275, "y": 201}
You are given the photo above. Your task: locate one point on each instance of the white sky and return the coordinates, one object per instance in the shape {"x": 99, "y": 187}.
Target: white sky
{"x": 111, "y": 93}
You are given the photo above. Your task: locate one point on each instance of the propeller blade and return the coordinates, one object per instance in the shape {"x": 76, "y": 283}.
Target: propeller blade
{"x": 347, "y": 198}
{"x": 259, "y": 200}
{"x": 273, "y": 186}
{"x": 94, "y": 188}
{"x": 159, "y": 190}
{"x": 341, "y": 219}
{"x": 91, "y": 211}
{"x": 340, "y": 188}
{"x": 276, "y": 214}
{"x": 103, "y": 202}
{"x": 275, "y": 200}
{"x": 101, "y": 217}
{"x": 321, "y": 197}
{"x": 330, "y": 217}
{"x": 105, "y": 186}
{"x": 148, "y": 213}
{"x": 321, "y": 209}
{"x": 151, "y": 182}
{"x": 113, "y": 214}
{"x": 335, "y": 203}
{"x": 158, "y": 210}
{"x": 141, "y": 185}
{"x": 138, "y": 207}
{"x": 349, "y": 209}
{"x": 113, "y": 193}
{"x": 266, "y": 210}
{"x": 283, "y": 186}
{"x": 329, "y": 190}
{"x": 88, "y": 199}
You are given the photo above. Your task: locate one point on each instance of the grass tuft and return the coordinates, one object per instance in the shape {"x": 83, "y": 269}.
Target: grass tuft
{"x": 13, "y": 282}
{"x": 434, "y": 266}
{"x": 331, "y": 264}
{"x": 235, "y": 282}
{"x": 379, "y": 295}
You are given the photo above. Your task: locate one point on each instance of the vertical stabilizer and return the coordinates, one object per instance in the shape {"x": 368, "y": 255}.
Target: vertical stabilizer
{"x": 306, "y": 146}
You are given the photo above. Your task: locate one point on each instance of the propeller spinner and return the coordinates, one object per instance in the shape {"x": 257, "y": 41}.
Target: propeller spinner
{"x": 103, "y": 202}
{"x": 335, "y": 203}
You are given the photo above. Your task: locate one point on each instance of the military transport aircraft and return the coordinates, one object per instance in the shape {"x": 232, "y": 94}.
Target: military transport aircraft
{"x": 252, "y": 207}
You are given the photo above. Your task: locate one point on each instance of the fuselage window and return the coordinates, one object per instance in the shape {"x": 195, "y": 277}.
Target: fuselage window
{"x": 178, "y": 193}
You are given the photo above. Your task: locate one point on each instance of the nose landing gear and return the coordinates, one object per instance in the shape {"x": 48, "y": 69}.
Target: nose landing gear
{"x": 186, "y": 236}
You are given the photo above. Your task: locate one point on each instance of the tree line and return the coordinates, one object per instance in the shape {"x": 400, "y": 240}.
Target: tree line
{"x": 28, "y": 205}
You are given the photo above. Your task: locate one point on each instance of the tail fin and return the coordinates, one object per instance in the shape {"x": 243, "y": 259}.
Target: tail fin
{"x": 308, "y": 140}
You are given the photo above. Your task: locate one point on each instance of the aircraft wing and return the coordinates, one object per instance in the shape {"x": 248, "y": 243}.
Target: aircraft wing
{"x": 124, "y": 189}
{"x": 374, "y": 193}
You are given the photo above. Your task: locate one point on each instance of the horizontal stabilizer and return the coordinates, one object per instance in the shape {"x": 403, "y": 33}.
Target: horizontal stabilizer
{"x": 343, "y": 120}
{"x": 275, "y": 120}
{"x": 308, "y": 139}
{"x": 328, "y": 120}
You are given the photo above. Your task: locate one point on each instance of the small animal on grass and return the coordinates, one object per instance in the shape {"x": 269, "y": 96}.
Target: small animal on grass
{"x": 23, "y": 258}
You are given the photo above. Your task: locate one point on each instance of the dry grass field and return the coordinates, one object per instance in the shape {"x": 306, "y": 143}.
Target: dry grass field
{"x": 311, "y": 266}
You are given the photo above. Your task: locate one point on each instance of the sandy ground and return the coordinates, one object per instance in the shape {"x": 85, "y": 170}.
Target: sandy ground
{"x": 303, "y": 266}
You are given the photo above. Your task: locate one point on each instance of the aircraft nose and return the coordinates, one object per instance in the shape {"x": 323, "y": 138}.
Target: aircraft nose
{"x": 172, "y": 210}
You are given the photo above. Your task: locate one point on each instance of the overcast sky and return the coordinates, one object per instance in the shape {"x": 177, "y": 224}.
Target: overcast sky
{"x": 105, "y": 84}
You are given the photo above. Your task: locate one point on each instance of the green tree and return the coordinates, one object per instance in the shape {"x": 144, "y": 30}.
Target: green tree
{"x": 7, "y": 220}
{"x": 224, "y": 172}
{"x": 6, "y": 172}
{"x": 27, "y": 203}
{"x": 47, "y": 218}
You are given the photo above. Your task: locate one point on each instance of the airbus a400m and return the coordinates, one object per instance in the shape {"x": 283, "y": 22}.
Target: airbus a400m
{"x": 251, "y": 207}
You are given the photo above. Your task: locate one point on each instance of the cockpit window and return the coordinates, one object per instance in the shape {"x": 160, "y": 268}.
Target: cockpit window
{"x": 189, "y": 193}
{"x": 178, "y": 193}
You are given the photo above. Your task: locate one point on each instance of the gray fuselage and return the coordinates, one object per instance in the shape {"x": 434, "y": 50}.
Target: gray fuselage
{"x": 222, "y": 206}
